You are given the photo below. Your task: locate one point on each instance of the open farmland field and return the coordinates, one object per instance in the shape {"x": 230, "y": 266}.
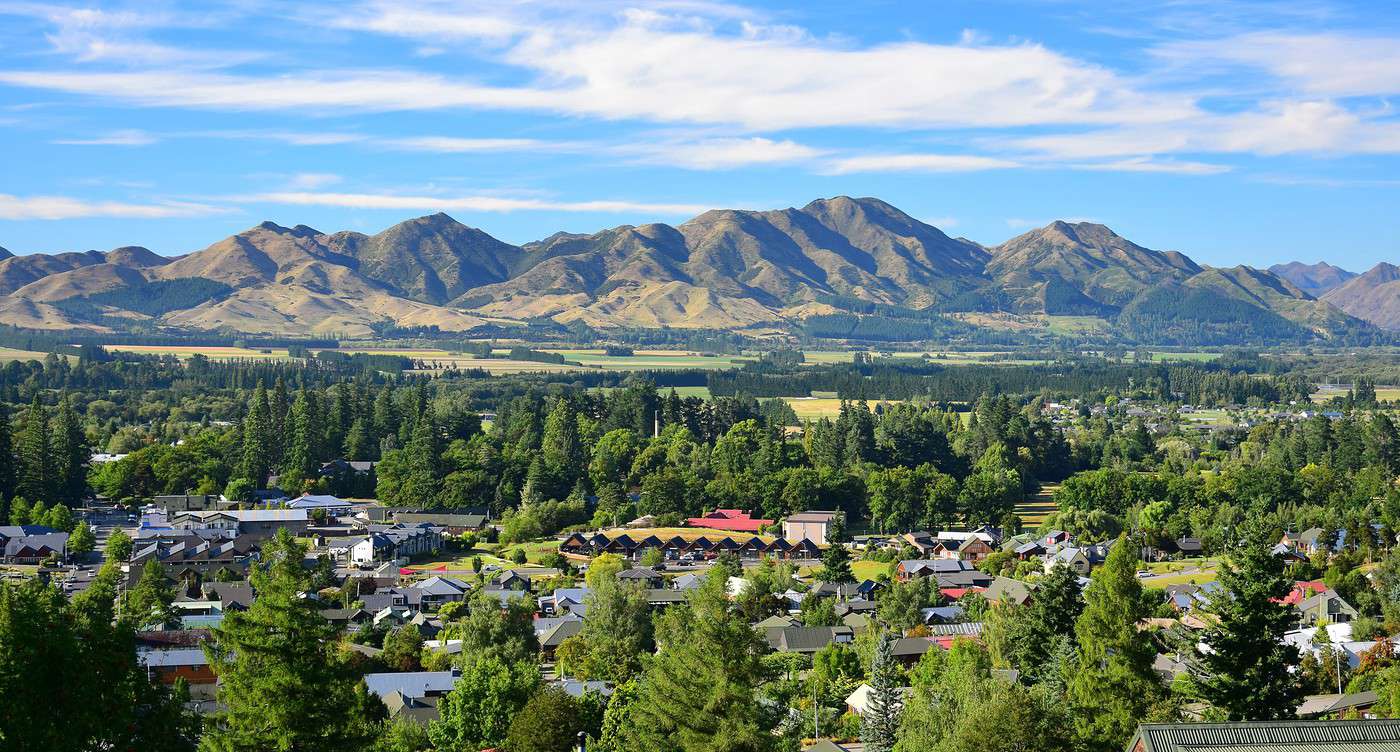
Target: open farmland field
{"x": 1383, "y": 393}
{"x": 1188, "y": 356}
{"x": 651, "y": 359}
{"x": 7, "y": 355}
{"x": 214, "y": 353}
{"x": 814, "y": 408}
{"x": 1075, "y": 324}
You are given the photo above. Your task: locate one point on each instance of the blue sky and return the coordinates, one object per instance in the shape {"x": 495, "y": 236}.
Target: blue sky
{"x": 1237, "y": 132}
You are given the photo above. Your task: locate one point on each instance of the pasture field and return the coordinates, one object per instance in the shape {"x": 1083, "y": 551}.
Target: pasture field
{"x": 815, "y": 408}
{"x": 650, "y": 359}
{"x": 1075, "y": 324}
{"x": 702, "y": 392}
{"x": 213, "y": 353}
{"x": 865, "y": 569}
{"x": 1383, "y": 393}
{"x": 1191, "y": 356}
{"x": 8, "y": 354}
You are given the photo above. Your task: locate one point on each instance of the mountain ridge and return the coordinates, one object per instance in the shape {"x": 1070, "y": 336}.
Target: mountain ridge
{"x": 724, "y": 268}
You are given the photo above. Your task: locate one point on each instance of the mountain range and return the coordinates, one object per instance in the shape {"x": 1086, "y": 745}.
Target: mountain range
{"x": 759, "y": 271}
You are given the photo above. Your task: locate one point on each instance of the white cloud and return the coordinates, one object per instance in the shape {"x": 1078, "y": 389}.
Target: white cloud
{"x": 1144, "y": 164}
{"x": 313, "y": 180}
{"x": 765, "y": 78}
{"x": 115, "y": 138}
{"x": 918, "y": 163}
{"x": 1325, "y": 64}
{"x": 449, "y": 144}
{"x": 721, "y": 153}
{"x": 482, "y": 203}
{"x": 65, "y": 207}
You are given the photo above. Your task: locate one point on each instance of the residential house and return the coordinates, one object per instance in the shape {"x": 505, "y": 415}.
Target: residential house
{"x": 735, "y": 520}
{"x": 808, "y": 640}
{"x": 451, "y": 522}
{"x": 190, "y": 503}
{"x": 331, "y": 505}
{"x": 167, "y": 664}
{"x": 412, "y": 695}
{"x": 31, "y": 544}
{"x": 1326, "y": 605}
{"x": 858, "y": 702}
{"x": 1268, "y": 736}
{"x": 1008, "y": 590}
{"x": 396, "y": 542}
{"x": 813, "y": 526}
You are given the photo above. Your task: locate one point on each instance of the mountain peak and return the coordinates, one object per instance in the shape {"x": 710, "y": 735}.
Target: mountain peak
{"x": 135, "y": 256}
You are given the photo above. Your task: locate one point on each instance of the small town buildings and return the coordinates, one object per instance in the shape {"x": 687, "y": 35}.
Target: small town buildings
{"x": 331, "y": 505}
{"x": 735, "y": 520}
{"x": 31, "y": 544}
{"x": 813, "y": 526}
{"x": 395, "y": 542}
{"x": 1268, "y": 736}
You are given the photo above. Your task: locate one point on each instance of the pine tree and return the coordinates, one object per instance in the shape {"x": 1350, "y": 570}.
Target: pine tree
{"x": 1115, "y": 684}
{"x": 562, "y": 450}
{"x": 879, "y": 726}
{"x": 70, "y": 454}
{"x": 698, "y": 694}
{"x": 7, "y": 460}
{"x": 278, "y": 404}
{"x": 836, "y": 565}
{"x": 282, "y": 680}
{"x": 423, "y": 463}
{"x": 36, "y": 466}
{"x": 1248, "y": 668}
{"x": 151, "y": 602}
{"x": 257, "y": 439}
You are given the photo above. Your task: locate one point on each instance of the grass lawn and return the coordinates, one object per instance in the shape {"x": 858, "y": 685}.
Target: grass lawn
{"x": 1194, "y": 578}
{"x": 870, "y": 570}
{"x": 1194, "y": 356}
{"x": 1035, "y": 509}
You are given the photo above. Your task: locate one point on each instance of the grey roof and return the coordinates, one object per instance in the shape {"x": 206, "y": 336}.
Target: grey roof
{"x": 965, "y": 628}
{"x": 906, "y": 646}
{"x": 805, "y": 639}
{"x": 411, "y": 683}
{"x": 170, "y": 657}
{"x": 562, "y": 631}
{"x": 1273, "y": 736}
{"x": 577, "y": 687}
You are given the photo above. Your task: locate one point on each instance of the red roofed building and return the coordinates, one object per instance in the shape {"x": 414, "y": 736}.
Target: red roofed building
{"x": 729, "y": 519}
{"x": 1304, "y": 590}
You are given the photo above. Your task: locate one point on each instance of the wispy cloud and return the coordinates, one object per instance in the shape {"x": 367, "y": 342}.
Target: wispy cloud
{"x": 454, "y": 145}
{"x": 115, "y": 138}
{"x": 67, "y": 207}
{"x": 483, "y": 203}
{"x": 720, "y": 153}
{"x": 918, "y": 163}
{"x": 313, "y": 180}
{"x": 1144, "y": 164}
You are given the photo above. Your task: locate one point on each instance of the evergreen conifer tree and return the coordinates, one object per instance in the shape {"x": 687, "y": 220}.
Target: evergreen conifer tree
{"x": 257, "y": 439}
{"x": 879, "y": 726}
{"x": 36, "y": 466}
{"x": 1115, "y": 684}
{"x": 70, "y": 454}
{"x": 282, "y": 680}
{"x": 1248, "y": 668}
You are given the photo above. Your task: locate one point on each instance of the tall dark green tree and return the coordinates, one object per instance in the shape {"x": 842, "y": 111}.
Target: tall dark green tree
{"x": 879, "y": 727}
{"x": 1248, "y": 669}
{"x": 836, "y": 565}
{"x": 7, "y": 461}
{"x": 257, "y": 439}
{"x": 35, "y": 454}
{"x": 698, "y": 694}
{"x": 70, "y": 454}
{"x": 303, "y": 436}
{"x": 1115, "y": 684}
{"x": 282, "y": 679}
{"x": 150, "y": 603}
